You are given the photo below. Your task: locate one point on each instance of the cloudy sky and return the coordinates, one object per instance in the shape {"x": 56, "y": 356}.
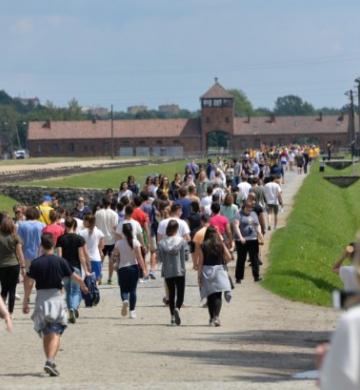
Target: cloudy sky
{"x": 152, "y": 52}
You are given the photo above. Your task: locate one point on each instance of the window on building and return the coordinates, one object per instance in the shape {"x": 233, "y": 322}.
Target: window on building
{"x": 55, "y": 148}
{"x": 227, "y": 119}
{"x": 227, "y": 102}
{"x": 217, "y": 102}
{"x": 142, "y": 143}
{"x": 71, "y": 147}
{"x": 39, "y": 148}
{"x": 176, "y": 142}
{"x": 207, "y": 103}
{"x": 159, "y": 142}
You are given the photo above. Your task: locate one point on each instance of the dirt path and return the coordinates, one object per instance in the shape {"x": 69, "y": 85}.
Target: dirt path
{"x": 262, "y": 342}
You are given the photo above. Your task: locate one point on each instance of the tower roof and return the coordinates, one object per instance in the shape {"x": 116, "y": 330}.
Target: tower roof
{"x": 217, "y": 91}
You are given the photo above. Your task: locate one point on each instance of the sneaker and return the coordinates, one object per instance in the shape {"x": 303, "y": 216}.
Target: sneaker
{"x": 133, "y": 314}
{"x": 76, "y": 313}
{"x": 165, "y": 301}
{"x": 227, "y": 296}
{"x": 109, "y": 282}
{"x": 152, "y": 275}
{"x": 238, "y": 281}
{"x": 72, "y": 317}
{"x": 124, "y": 309}
{"x": 172, "y": 320}
{"x": 217, "y": 321}
{"x": 17, "y": 297}
{"x": 269, "y": 228}
{"x": 211, "y": 322}
{"x": 141, "y": 280}
{"x": 177, "y": 317}
{"x": 258, "y": 280}
{"x": 50, "y": 368}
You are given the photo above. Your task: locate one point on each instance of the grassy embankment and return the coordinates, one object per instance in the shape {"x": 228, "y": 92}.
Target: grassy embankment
{"x": 324, "y": 219}
{"x": 6, "y": 204}
{"x": 112, "y": 177}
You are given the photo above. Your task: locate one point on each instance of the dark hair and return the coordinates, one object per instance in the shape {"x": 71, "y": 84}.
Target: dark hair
{"x": 215, "y": 198}
{"x": 7, "y": 226}
{"x": 209, "y": 190}
{"x": 32, "y": 213}
{"x": 191, "y": 189}
{"x": 174, "y": 208}
{"x": 129, "y": 209}
{"x": 212, "y": 243}
{"x": 52, "y": 216}
{"x": 229, "y": 200}
{"x": 122, "y": 185}
{"x": 144, "y": 196}
{"x": 182, "y": 192}
{"x": 137, "y": 201}
{"x": 106, "y": 203}
{"x": 47, "y": 241}
{"x": 195, "y": 206}
{"x": 128, "y": 233}
{"x": 204, "y": 218}
{"x": 120, "y": 206}
{"x": 70, "y": 223}
{"x": 90, "y": 219}
{"x": 215, "y": 208}
{"x": 3, "y": 215}
{"x": 124, "y": 200}
{"x": 172, "y": 227}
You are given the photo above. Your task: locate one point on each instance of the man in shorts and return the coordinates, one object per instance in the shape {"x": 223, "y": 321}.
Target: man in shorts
{"x": 49, "y": 316}
{"x": 272, "y": 192}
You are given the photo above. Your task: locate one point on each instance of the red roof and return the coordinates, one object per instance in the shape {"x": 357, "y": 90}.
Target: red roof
{"x": 290, "y": 125}
{"x": 161, "y": 128}
{"x": 217, "y": 91}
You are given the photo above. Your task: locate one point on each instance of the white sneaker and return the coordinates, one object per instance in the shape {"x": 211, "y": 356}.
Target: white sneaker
{"x": 17, "y": 297}
{"x": 124, "y": 309}
{"x": 132, "y": 314}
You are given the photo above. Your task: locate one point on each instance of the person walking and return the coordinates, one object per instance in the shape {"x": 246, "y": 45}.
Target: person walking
{"x": 272, "y": 192}
{"x": 172, "y": 252}
{"x": 247, "y": 235}
{"x": 49, "y": 316}
{"x": 107, "y": 220}
{"x": 94, "y": 240}
{"x": 11, "y": 261}
{"x": 6, "y": 316}
{"x": 70, "y": 246}
{"x": 213, "y": 279}
{"x": 128, "y": 262}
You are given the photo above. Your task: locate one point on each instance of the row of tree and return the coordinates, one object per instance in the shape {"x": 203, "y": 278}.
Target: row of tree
{"x": 14, "y": 114}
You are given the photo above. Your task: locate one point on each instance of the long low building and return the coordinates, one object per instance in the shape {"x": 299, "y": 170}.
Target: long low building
{"x": 217, "y": 130}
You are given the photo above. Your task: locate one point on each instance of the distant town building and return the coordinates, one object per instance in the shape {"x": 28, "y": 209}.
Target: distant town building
{"x": 29, "y": 102}
{"x": 169, "y": 109}
{"x": 136, "y": 109}
{"x": 99, "y": 112}
{"x": 217, "y": 130}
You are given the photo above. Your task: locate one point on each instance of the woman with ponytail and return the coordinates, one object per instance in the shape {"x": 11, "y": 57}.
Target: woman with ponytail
{"x": 128, "y": 258}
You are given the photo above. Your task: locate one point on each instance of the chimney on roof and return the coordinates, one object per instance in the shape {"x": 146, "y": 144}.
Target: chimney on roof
{"x": 47, "y": 124}
{"x": 272, "y": 118}
{"x": 248, "y": 118}
{"x": 320, "y": 118}
{"x": 341, "y": 117}
{"x": 93, "y": 120}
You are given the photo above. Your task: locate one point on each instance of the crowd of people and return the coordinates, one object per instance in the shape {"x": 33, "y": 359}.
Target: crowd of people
{"x": 213, "y": 213}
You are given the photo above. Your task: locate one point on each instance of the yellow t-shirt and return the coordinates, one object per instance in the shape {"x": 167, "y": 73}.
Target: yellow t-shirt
{"x": 44, "y": 213}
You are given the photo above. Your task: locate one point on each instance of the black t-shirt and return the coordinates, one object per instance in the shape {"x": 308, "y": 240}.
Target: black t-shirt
{"x": 48, "y": 271}
{"x": 258, "y": 209}
{"x": 194, "y": 223}
{"x": 70, "y": 244}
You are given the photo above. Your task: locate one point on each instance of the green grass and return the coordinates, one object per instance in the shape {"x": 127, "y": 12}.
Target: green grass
{"x": 324, "y": 219}
{"x": 6, "y": 204}
{"x": 112, "y": 177}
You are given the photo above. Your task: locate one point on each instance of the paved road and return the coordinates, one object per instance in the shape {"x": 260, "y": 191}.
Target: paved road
{"x": 263, "y": 341}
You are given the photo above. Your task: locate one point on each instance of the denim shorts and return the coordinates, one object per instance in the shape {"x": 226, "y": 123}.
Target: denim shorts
{"x": 53, "y": 328}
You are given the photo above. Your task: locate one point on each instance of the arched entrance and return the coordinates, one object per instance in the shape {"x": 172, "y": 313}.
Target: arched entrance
{"x": 218, "y": 142}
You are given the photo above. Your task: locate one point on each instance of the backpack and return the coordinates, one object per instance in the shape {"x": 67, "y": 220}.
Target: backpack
{"x": 92, "y": 298}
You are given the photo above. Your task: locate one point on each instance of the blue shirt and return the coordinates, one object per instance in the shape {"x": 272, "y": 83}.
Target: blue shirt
{"x": 30, "y": 234}
{"x": 185, "y": 204}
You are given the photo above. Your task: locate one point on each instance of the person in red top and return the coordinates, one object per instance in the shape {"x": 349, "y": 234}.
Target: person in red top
{"x": 221, "y": 223}
{"x": 54, "y": 228}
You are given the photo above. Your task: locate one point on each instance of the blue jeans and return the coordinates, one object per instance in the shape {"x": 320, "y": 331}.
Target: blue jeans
{"x": 128, "y": 279}
{"x": 73, "y": 293}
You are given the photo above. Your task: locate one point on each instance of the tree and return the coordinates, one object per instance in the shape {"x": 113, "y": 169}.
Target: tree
{"x": 292, "y": 105}
{"x": 8, "y": 123}
{"x": 242, "y": 104}
{"x": 74, "y": 110}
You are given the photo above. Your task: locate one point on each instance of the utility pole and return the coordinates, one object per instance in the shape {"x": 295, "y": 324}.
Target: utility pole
{"x": 351, "y": 126}
{"x": 112, "y": 131}
{"x": 357, "y": 137}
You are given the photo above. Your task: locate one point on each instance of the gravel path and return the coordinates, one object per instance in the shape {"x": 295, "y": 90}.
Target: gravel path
{"x": 263, "y": 341}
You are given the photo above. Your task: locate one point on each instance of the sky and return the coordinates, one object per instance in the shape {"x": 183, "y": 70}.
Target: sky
{"x": 129, "y": 52}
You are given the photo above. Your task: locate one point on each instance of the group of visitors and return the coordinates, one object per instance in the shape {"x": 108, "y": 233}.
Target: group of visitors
{"x": 210, "y": 213}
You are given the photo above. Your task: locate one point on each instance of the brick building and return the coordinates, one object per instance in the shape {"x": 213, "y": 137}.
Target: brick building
{"x": 216, "y": 130}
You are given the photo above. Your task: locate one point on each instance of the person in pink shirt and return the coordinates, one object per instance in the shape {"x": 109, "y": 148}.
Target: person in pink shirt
{"x": 221, "y": 223}
{"x": 55, "y": 228}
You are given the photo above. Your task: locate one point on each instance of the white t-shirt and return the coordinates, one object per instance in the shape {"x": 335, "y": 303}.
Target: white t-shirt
{"x": 341, "y": 367}
{"x": 349, "y": 277}
{"x": 205, "y": 203}
{"x": 244, "y": 188}
{"x": 136, "y": 227}
{"x": 106, "y": 221}
{"x": 92, "y": 242}
{"x": 126, "y": 193}
{"x": 271, "y": 192}
{"x": 183, "y": 227}
{"x": 127, "y": 254}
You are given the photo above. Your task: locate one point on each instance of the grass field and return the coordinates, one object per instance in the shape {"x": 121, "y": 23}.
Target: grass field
{"x": 6, "y": 204}
{"x": 324, "y": 219}
{"x": 112, "y": 177}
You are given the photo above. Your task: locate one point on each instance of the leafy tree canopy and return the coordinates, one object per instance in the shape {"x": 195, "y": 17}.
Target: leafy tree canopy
{"x": 242, "y": 104}
{"x": 292, "y": 105}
